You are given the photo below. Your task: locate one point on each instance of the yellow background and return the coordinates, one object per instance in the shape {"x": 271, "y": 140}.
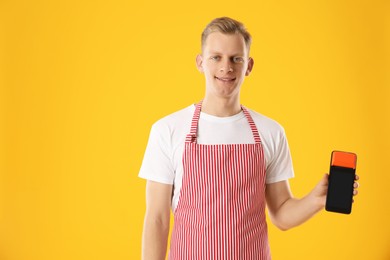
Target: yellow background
{"x": 83, "y": 81}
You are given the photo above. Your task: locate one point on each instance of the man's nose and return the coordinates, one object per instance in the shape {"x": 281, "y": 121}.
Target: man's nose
{"x": 226, "y": 66}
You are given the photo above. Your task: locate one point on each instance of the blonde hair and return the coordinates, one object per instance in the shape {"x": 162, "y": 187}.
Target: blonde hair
{"x": 226, "y": 25}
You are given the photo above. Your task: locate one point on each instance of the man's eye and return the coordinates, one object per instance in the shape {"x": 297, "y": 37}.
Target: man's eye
{"x": 215, "y": 57}
{"x": 238, "y": 59}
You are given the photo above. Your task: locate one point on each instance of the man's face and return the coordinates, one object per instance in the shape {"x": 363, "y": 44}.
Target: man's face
{"x": 225, "y": 63}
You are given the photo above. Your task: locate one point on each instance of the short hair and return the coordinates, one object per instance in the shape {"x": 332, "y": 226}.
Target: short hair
{"x": 226, "y": 25}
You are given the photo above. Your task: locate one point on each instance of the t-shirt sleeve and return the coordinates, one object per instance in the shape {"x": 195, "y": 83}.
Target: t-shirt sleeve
{"x": 280, "y": 167}
{"x": 157, "y": 163}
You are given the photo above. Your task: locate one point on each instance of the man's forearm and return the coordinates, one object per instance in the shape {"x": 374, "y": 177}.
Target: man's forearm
{"x": 294, "y": 211}
{"x": 155, "y": 237}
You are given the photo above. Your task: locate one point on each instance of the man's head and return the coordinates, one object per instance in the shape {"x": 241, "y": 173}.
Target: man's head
{"x": 225, "y": 57}
{"x": 226, "y": 25}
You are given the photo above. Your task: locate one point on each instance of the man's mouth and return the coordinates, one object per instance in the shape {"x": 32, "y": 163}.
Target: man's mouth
{"x": 225, "y": 79}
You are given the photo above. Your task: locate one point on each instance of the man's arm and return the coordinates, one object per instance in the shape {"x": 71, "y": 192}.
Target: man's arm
{"x": 287, "y": 212}
{"x": 157, "y": 218}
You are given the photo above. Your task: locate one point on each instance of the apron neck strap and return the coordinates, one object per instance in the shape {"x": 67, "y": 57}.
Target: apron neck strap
{"x": 252, "y": 124}
{"x": 192, "y": 136}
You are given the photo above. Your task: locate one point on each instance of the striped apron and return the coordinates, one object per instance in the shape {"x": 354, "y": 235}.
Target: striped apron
{"x": 221, "y": 210}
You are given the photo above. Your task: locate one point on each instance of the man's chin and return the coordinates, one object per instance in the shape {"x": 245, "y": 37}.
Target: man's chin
{"x": 224, "y": 91}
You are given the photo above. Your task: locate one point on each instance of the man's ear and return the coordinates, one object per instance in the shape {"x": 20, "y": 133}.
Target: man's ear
{"x": 199, "y": 62}
{"x": 250, "y": 66}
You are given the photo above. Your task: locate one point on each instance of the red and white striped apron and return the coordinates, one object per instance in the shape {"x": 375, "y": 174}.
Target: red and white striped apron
{"x": 221, "y": 210}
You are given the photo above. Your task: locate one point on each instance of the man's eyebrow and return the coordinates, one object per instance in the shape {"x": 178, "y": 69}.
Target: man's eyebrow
{"x": 215, "y": 53}
{"x": 234, "y": 55}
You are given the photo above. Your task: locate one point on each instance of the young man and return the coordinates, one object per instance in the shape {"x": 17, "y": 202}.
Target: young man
{"x": 217, "y": 165}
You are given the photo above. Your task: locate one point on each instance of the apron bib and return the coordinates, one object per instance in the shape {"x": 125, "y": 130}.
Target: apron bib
{"x": 221, "y": 210}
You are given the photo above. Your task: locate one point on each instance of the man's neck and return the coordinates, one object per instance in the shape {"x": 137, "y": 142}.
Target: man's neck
{"x": 221, "y": 107}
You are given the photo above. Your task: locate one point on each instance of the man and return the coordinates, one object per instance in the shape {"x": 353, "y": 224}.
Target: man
{"x": 218, "y": 164}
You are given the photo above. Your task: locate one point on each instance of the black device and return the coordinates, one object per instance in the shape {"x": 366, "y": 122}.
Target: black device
{"x": 341, "y": 181}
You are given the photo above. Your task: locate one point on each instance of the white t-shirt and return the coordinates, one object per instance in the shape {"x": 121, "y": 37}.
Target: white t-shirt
{"x": 163, "y": 156}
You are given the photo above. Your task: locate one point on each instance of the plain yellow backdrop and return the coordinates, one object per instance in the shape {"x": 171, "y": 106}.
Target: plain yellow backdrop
{"x": 83, "y": 81}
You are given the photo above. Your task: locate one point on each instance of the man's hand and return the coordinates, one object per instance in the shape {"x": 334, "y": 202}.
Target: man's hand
{"x": 287, "y": 212}
{"x": 320, "y": 190}
{"x": 355, "y": 186}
